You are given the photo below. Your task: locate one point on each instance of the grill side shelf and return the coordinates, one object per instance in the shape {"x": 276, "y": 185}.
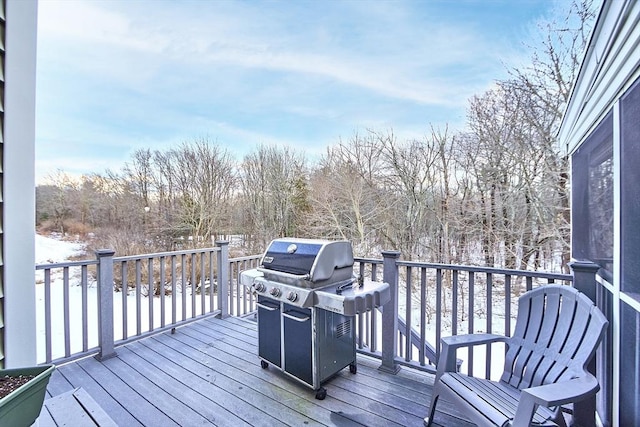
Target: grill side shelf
{"x": 355, "y": 300}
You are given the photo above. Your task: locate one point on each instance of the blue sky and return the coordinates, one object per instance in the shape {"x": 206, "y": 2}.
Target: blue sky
{"x": 115, "y": 76}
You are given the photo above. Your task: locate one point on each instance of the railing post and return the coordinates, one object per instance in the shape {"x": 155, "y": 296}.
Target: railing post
{"x": 584, "y": 277}
{"x": 223, "y": 278}
{"x": 105, "y": 303}
{"x": 584, "y": 280}
{"x": 390, "y": 313}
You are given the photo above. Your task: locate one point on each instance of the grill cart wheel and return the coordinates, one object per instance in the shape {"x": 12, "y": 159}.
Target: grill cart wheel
{"x": 321, "y": 393}
{"x": 264, "y": 364}
{"x": 353, "y": 368}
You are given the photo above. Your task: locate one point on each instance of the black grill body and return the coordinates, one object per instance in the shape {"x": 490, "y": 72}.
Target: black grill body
{"x": 307, "y": 301}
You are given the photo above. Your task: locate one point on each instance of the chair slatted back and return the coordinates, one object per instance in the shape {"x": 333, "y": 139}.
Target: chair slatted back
{"x": 556, "y": 333}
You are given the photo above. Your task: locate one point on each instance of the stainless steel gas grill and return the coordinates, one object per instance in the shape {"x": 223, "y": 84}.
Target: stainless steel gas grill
{"x": 307, "y": 300}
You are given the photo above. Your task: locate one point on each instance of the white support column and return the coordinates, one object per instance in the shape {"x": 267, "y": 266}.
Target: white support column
{"x": 19, "y": 183}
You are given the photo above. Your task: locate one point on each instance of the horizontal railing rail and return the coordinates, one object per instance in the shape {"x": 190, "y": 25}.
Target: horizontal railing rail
{"x": 88, "y": 307}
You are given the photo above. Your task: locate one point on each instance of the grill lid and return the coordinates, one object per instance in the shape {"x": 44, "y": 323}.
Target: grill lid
{"x": 314, "y": 260}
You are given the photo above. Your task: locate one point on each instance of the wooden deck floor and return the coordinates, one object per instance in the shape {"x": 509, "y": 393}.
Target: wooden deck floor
{"x": 208, "y": 373}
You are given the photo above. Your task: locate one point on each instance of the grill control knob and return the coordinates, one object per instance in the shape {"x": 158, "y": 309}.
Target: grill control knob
{"x": 292, "y": 296}
{"x": 259, "y": 287}
{"x": 275, "y": 292}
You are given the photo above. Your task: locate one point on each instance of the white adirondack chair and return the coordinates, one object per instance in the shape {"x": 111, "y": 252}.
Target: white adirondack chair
{"x": 557, "y": 332}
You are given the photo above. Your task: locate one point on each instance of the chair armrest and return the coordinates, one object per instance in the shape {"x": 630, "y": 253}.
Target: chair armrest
{"x": 447, "y": 360}
{"x": 564, "y": 392}
{"x": 555, "y": 394}
{"x": 457, "y": 341}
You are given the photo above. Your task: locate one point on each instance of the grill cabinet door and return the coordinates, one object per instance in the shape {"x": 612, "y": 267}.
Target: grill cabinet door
{"x": 269, "y": 330}
{"x": 298, "y": 343}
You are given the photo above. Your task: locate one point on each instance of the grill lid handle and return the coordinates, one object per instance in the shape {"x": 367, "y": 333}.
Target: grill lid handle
{"x": 351, "y": 284}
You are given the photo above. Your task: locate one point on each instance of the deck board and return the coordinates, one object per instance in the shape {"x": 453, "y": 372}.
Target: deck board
{"x": 232, "y": 381}
{"x": 208, "y": 373}
{"x": 76, "y": 405}
{"x": 343, "y": 399}
{"x": 205, "y": 389}
{"x": 118, "y": 400}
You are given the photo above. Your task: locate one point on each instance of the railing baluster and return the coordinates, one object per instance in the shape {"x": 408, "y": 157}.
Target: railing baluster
{"x": 423, "y": 315}
{"x": 125, "y": 299}
{"x": 454, "y": 304}
{"x": 359, "y": 319}
{"x": 507, "y": 305}
{"x": 362, "y": 318}
{"x": 240, "y": 290}
{"x": 438, "y": 310}
{"x": 183, "y": 271}
{"x": 407, "y": 315}
{"x": 65, "y": 304}
{"x": 234, "y": 290}
{"x": 85, "y": 323}
{"x": 489, "y": 319}
{"x": 174, "y": 293}
{"x": 372, "y": 330}
{"x": 203, "y": 290}
{"x": 138, "y": 298}
{"x": 47, "y": 315}
{"x": 247, "y": 294}
{"x": 163, "y": 280}
{"x": 194, "y": 280}
{"x": 212, "y": 286}
{"x": 151, "y": 292}
{"x": 472, "y": 315}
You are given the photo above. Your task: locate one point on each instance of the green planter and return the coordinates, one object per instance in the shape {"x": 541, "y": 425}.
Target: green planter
{"x": 22, "y": 407}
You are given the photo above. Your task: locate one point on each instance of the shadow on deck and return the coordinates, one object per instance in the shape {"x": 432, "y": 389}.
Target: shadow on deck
{"x": 208, "y": 373}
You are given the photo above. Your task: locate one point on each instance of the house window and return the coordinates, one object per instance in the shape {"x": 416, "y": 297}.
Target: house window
{"x": 630, "y": 190}
{"x": 592, "y": 198}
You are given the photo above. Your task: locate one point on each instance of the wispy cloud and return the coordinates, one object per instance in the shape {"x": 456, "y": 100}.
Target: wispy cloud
{"x": 295, "y": 73}
{"x": 407, "y": 63}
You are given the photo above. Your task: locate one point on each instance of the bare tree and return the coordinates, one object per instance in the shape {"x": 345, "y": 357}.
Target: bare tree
{"x": 345, "y": 196}
{"x": 58, "y": 199}
{"x": 546, "y": 86}
{"x": 194, "y": 184}
{"x": 274, "y": 192}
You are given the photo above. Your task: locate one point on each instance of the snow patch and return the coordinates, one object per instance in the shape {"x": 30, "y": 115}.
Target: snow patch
{"x": 50, "y": 250}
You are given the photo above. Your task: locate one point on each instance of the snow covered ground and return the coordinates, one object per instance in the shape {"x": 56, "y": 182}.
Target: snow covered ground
{"x": 50, "y": 249}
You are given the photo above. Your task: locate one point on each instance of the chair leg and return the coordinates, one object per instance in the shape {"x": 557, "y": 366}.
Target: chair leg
{"x": 560, "y": 418}
{"x": 432, "y": 411}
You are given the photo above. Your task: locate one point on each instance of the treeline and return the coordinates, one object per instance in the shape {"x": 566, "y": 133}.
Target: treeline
{"x": 494, "y": 194}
